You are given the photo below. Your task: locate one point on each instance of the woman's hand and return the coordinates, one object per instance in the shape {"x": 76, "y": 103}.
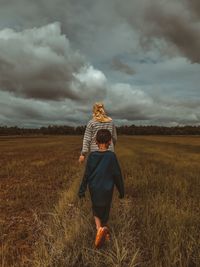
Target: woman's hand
{"x": 81, "y": 159}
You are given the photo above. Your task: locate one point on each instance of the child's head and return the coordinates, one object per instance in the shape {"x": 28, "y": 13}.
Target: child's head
{"x": 103, "y": 136}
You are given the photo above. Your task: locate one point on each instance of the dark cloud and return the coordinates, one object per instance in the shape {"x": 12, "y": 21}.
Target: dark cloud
{"x": 130, "y": 113}
{"x": 54, "y": 71}
{"x": 29, "y": 112}
{"x": 171, "y": 21}
{"x": 91, "y": 24}
{"x": 175, "y": 29}
{"x": 118, "y": 65}
{"x": 39, "y": 63}
{"x": 194, "y": 5}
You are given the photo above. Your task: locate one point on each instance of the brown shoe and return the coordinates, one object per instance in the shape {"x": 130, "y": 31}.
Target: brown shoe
{"x": 100, "y": 236}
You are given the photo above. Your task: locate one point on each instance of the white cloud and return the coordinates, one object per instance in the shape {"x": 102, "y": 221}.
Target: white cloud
{"x": 90, "y": 83}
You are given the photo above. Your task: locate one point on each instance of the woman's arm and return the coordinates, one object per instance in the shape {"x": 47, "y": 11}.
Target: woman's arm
{"x": 114, "y": 135}
{"x": 86, "y": 142}
{"x": 87, "y": 139}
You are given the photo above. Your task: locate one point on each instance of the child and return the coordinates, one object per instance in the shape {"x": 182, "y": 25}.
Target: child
{"x": 102, "y": 172}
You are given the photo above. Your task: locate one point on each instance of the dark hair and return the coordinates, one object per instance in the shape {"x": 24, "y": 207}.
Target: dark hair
{"x": 103, "y": 136}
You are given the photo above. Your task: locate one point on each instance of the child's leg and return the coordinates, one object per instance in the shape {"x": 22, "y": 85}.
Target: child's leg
{"x": 97, "y": 222}
{"x": 101, "y": 214}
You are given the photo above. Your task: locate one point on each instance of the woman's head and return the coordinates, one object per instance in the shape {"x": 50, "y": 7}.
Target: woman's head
{"x": 98, "y": 107}
{"x": 99, "y": 113}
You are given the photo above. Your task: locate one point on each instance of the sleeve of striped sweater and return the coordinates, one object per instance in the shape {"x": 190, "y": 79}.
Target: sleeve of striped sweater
{"x": 114, "y": 134}
{"x": 87, "y": 139}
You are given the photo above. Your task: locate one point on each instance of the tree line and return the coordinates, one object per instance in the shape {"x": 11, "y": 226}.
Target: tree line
{"x": 79, "y": 130}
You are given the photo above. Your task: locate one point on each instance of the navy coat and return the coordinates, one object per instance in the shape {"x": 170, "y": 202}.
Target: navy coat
{"x": 102, "y": 172}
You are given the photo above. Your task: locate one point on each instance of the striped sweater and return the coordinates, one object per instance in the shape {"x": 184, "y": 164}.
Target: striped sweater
{"x": 89, "y": 139}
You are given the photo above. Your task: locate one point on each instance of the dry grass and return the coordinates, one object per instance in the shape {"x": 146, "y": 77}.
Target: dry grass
{"x": 156, "y": 225}
{"x": 32, "y": 174}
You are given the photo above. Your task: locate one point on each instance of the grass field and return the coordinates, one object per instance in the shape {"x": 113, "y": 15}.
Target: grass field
{"x": 43, "y": 223}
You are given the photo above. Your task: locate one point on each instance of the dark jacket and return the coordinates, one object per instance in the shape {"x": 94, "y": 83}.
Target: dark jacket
{"x": 102, "y": 172}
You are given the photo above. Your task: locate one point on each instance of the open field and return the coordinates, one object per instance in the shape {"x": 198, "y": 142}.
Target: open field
{"x": 43, "y": 223}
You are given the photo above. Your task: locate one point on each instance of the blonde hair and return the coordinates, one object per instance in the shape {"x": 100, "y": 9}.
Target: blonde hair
{"x": 99, "y": 113}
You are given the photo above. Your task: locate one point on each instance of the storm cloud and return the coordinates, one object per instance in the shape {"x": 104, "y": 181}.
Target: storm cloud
{"x": 89, "y": 24}
{"x": 175, "y": 22}
{"x": 39, "y": 63}
{"x": 118, "y": 65}
{"x": 59, "y": 57}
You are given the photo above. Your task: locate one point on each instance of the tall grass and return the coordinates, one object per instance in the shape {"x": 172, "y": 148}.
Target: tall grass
{"x": 69, "y": 238}
{"x": 33, "y": 172}
{"x": 164, "y": 182}
{"x": 156, "y": 225}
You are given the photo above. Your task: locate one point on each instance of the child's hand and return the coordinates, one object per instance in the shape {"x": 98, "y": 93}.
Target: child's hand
{"x": 81, "y": 159}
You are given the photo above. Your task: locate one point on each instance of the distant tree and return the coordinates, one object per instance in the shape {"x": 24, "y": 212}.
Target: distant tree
{"x": 124, "y": 129}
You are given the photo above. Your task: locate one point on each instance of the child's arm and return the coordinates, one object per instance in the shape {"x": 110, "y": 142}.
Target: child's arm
{"x": 83, "y": 186}
{"x": 118, "y": 178}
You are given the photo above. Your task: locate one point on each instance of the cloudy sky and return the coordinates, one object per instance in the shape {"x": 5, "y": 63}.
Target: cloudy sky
{"x": 58, "y": 57}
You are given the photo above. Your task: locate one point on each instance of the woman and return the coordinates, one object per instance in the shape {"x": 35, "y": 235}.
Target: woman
{"x": 99, "y": 121}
